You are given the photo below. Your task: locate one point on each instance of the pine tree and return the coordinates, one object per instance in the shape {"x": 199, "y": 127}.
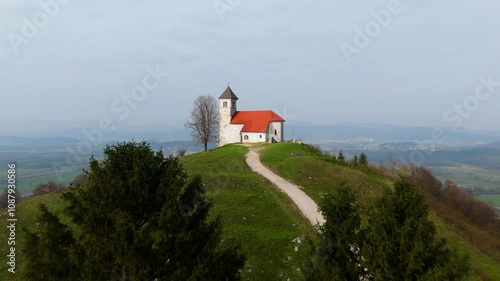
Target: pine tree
{"x": 337, "y": 257}
{"x": 363, "y": 159}
{"x": 341, "y": 156}
{"x": 47, "y": 252}
{"x": 355, "y": 160}
{"x": 401, "y": 242}
{"x": 136, "y": 218}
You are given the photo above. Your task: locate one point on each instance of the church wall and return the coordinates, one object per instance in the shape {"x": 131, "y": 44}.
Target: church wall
{"x": 229, "y": 133}
{"x": 254, "y": 137}
{"x": 228, "y": 105}
{"x": 278, "y": 127}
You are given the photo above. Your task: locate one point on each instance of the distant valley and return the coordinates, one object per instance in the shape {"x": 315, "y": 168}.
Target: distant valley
{"x": 470, "y": 158}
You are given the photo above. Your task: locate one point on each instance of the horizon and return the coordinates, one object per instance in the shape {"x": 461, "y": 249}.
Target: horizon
{"x": 183, "y": 134}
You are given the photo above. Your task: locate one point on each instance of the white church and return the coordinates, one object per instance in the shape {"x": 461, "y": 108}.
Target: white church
{"x": 247, "y": 126}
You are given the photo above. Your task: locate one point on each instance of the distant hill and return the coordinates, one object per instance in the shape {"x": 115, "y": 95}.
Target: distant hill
{"x": 384, "y": 133}
{"x": 396, "y": 146}
{"x": 118, "y": 135}
{"x": 312, "y": 133}
{"x": 40, "y": 141}
{"x": 17, "y": 142}
{"x": 494, "y": 145}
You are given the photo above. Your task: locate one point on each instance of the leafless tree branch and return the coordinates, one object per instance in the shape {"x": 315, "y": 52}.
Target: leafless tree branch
{"x": 204, "y": 120}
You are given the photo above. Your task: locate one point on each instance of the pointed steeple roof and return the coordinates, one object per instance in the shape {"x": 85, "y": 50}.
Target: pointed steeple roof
{"x": 228, "y": 94}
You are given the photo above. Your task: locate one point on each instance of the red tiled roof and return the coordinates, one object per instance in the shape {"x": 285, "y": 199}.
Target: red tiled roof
{"x": 255, "y": 121}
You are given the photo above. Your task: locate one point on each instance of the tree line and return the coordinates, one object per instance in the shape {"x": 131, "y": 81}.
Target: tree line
{"x": 397, "y": 242}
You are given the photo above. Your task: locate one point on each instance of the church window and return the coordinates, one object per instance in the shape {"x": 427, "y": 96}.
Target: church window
{"x": 275, "y": 132}
{"x": 224, "y": 104}
{"x": 245, "y": 137}
{"x": 260, "y": 136}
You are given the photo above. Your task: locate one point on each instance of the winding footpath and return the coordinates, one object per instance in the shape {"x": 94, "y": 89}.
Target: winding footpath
{"x": 306, "y": 205}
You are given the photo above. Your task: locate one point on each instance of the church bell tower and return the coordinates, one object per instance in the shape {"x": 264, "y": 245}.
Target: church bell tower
{"x": 227, "y": 109}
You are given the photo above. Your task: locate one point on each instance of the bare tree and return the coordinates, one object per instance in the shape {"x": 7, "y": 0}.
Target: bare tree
{"x": 80, "y": 180}
{"x": 204, "y": 120}
{"x": 393, "y": 164}
{"x": 46, "y": 188}
{"x": 181, "y": 151}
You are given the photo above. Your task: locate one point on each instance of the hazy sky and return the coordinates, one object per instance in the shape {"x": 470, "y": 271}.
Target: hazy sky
{"x": 75, "y": 62}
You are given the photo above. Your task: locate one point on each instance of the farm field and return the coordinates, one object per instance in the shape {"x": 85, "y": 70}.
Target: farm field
{"x": 26, "y": 184}
{"x": 35, "y": 164}
{"x": 491, "y": 198}
{"x": 484, "y": 183}
{"x": 469, "y": 176}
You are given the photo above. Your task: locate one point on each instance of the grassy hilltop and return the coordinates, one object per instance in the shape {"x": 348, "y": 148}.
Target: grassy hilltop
{"x": 266, "y": 221}
{"x": 318, "y": 175}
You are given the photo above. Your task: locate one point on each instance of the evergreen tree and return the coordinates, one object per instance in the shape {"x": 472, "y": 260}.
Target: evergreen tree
{"x": 341, "y": 156}
{"x": 401, "y": 242}
{"x": 135, "y": 218}
{"x": 337, "y": 257}
{"x": 355, "y": 160}
{"x": 47, "y": 252}
{"x": 363, "y": 160}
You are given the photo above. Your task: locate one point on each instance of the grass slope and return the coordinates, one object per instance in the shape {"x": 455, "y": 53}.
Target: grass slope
{"x": 318, "y": 175}
{"x": 252, "y": 210}
{"x": 263, "y": 218}
{"x": 26, "y": 214}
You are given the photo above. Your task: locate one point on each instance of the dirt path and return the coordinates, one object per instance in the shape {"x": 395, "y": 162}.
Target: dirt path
{"x": 306, "y": 205}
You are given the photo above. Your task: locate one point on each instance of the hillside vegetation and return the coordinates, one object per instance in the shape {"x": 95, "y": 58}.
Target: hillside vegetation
{"x": 318, "y": 174}
{"x": 271, "y": 229}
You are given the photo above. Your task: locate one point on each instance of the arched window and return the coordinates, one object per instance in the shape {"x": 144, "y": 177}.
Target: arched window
{"x": 224, "y": 104}
{"x": 275, "y": 132}
{"x": 260, "y": 136}
{"x": 245, "y": 137}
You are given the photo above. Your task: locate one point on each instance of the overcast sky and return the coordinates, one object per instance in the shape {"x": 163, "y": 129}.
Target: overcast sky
{"x": 68, "y": 65}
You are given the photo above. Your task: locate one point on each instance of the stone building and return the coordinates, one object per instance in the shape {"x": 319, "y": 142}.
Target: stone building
{"x": 247, "y": 126}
